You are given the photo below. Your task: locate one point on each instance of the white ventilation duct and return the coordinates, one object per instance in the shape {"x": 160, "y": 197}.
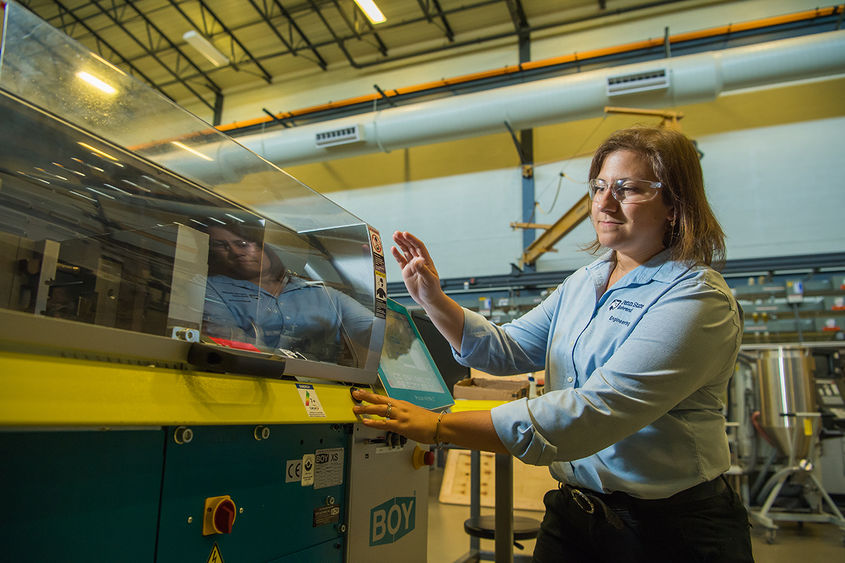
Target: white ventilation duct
{"x": 666, "y": 83}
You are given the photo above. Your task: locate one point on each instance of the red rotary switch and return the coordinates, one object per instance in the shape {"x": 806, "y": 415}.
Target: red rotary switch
{"x": 219, "y": 515}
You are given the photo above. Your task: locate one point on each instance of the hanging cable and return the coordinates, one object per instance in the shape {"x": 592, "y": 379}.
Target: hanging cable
{"x": 562, "y": 174}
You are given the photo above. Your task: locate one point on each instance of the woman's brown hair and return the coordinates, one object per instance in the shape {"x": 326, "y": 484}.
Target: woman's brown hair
{"x": 695, "y": 236}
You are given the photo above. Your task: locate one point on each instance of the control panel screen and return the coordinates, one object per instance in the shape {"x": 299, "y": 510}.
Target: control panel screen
{"x": 407, "y": 370}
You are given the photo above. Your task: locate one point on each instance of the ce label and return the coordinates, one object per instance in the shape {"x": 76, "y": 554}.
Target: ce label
{"x": 293, "y": 471}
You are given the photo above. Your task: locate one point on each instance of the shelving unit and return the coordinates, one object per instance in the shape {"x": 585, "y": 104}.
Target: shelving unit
{"x": 792, "y": 308}
{"x": 807, "y": 306}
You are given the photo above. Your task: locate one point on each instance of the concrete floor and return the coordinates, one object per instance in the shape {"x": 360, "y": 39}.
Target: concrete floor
{"x": 810, "y": 543}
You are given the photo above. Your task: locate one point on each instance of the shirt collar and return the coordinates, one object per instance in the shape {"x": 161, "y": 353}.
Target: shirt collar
{"x": 659, "y": 267}
{"x": 599, "y": 271}
{"x": 294, "y": 282}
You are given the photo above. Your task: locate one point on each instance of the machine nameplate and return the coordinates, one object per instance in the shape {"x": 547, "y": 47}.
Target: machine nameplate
{"x": 326, "y": 515}
{"x": 328, "y": 470}
{"x": 389, "y": 450}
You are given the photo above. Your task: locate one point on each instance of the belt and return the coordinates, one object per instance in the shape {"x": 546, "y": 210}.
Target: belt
{"x": 702, "y": 491}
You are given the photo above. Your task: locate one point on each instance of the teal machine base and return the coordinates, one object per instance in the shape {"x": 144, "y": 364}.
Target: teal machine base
{"x": 137, "y": 495}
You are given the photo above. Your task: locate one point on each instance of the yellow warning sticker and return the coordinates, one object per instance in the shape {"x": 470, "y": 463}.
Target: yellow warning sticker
{"x": 808, "y": 427}
{"x": 214, "y": 556}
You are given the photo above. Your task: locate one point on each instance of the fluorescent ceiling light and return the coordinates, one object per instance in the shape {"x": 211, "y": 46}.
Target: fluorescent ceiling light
{"x": 96, "y": 82}
{"x": 371, "y": 11}
{"x": 96, "y": 151}
{"x": 105, "y": 62}
{"x": 190, "y": 150}
{"x": 205, "y": 48}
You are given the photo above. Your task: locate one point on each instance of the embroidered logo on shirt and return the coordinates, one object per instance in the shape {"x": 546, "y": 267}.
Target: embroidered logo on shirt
{"x": 623, "y": 305}
{"x": 627, "y": 306}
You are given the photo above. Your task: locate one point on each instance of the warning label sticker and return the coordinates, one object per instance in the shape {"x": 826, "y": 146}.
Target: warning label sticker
{"x": 313, "y": 407}
{"x": 375, "y": 239}
{"x": 381, "y": 295}
{"x": 380, "y": 274}
{"x": 328, "y": 470}
{"x": 214, "y": 556}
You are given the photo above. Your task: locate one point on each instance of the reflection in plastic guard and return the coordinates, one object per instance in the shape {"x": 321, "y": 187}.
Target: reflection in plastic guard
{"x": 253, "y": 297}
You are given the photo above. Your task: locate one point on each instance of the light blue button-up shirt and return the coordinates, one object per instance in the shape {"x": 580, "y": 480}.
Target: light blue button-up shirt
{"x": 306, "y": 317}
{"x": 635, "y": 377}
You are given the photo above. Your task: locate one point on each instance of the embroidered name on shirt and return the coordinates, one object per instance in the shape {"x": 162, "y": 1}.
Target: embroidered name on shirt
{"x": 620, "y": 321}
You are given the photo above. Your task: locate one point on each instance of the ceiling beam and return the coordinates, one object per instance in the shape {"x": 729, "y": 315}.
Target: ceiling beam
{"x": 113, "y": 18}
{"x": 102, "y": 42}
{"x": 151, "y": 26}
{"x": 425, "y": 6}
{"x": 266, "y": 18}
{"x": 292, "y": 24}
{"x": 520, "y": 22}
{"x": 337, "y": 40}
{"x": 381, "y": 46}
{"x": 232, "y": 37}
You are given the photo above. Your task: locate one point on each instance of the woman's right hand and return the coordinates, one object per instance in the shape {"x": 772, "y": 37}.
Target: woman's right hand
{"x": 423, "y": 284}
{"x": 418, "y": 269}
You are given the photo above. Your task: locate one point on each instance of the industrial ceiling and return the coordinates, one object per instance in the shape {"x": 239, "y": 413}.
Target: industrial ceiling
{"x": 266, "y": 41}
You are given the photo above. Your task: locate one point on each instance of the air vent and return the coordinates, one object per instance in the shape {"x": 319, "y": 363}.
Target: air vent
{"x": 340, "y": 136}
{"x": 637, "y": 82}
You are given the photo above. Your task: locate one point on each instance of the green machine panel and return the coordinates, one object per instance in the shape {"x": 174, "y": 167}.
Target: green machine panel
{"x": 286, "y": 484}
{"x": 80, "y": 495}
{"x": 323, "y": 552}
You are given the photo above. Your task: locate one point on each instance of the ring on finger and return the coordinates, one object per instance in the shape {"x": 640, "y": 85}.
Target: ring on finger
{"x": 387, "y": 412}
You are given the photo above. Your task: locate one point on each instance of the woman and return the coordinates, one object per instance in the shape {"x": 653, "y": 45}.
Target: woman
{"x": 252, "y": 297}
{"x": 638, "y": 348}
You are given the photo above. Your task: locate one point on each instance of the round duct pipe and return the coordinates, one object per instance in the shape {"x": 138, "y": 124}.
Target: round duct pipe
{"x": 657, "y": 84}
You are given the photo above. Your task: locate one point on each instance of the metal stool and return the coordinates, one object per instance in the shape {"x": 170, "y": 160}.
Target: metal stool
{"x": 479, "y": 527}
{"x": 484, "y": 527}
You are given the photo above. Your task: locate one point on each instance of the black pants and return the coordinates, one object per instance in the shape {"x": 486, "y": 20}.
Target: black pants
{"x": 706, "y": 523}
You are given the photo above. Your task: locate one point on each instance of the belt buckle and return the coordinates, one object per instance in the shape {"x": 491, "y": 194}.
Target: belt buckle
{"x": 582, "y": 500}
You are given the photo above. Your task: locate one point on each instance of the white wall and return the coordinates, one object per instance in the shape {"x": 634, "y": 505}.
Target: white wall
{"x": 462, "y": 219}
{"x": 777, "y": 191}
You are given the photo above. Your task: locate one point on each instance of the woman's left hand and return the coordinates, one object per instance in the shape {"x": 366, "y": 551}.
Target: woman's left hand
{"x": 402, "y": 417}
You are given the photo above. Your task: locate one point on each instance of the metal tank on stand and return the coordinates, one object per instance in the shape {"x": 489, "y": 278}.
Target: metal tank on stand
{"x": 790, "y": 418}
{"x": 785, "y": 386}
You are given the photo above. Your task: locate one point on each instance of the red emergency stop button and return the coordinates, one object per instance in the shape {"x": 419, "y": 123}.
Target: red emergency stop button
{"x": 219, "y": 515}
{"x": 422, "y": 457}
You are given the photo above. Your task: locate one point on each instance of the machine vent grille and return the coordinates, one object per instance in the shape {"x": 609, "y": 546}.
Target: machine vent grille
{"x": 637, "y": 82}
{"x": 339, "y": 136}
